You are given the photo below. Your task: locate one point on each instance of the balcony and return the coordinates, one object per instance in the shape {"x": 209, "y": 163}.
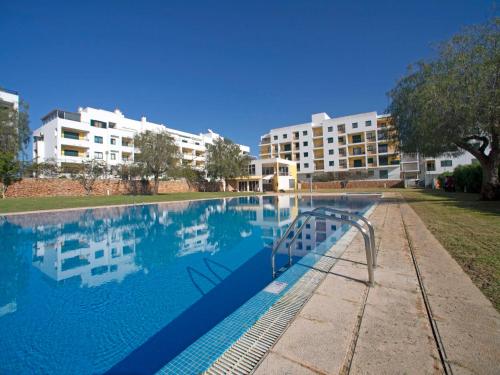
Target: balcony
{"x": 265, "y": 141}
{"x": 57, "y": 113}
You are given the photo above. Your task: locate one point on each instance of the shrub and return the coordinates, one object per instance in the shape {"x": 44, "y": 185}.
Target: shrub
{"x": 442, "y": 178}
{"x": 468, "y": 178}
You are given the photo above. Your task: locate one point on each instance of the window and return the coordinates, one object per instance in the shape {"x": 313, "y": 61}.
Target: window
{"x": 341, "y": 128}
{"x": 368, "y": 123}
{"x": 341, "y": 140}
{"x": 283, "y": 170}
{"x": 357, "y": 163}
{"x": 287, "y": 147}
{"x": 333, "y": 227}
{"x": 330, "y": 140}
{"x": 113, "y": 156}
{"x": 446, "y": 163}
{"x": 304, "y": 132}
{"x": 98, "y": 139}
{"x": 70, "y": 135}
{"x": 111, "y": 125}
{"x": 384, "y": 174}
{"x": 370, "y": 160}
{"x": 330, "y": 152}
{"x": 98, "y": 124}
{"x": 306, "y": 154}
{"x": 98, "y": 155}
{"x": 267, "y": 170}
{"x": 275, "y": 137}
{"x": 331, "y": 163}
{"x": 305, "y": 143}
{"x": 113, "y": 141}
{"x": 371, "y": 173}
{"x": 285, "y": 136}
{"x": 356, "y": 138}
{"x": 330, "y": 129}
{"x": 306, "y": 165}
{"x": 354, "y": 125}
{"x": 382, "y": 148}
{"x": 251, "y": 169}
{"x": 296, "y": 135}
{"x": 70, "y": 153}
{"x": 370, "y": 148}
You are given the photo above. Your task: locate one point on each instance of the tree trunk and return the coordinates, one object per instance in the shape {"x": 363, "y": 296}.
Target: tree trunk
{"x": 224, "y": 184}
{"x": 4, "y": 189}
{"x": 156, "y": 185}
{"x": 490, "y": 187}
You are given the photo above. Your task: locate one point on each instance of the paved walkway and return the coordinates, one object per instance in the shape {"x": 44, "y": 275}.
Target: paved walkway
{"x": 424, "y": 315}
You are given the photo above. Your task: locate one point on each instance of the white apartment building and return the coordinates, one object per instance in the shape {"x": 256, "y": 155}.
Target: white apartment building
{"x": 9, "y": 97}
{"x": 358, "y": 144}
{"x": 89, "y": 133}
{"x": 426, "y": 169}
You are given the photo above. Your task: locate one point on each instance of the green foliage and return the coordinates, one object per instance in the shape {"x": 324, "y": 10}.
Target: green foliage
{"x": 451, "y": 102}
{"x": 9, "y": 171}
{"x": 89, "y": 172}
{"x": 468, "y": 178}
{"x": 192, "y": 176}
{"x": 158, "y": 154}
{"x": 47, "y": 169}
{"x": 225, "y": 160}
{"x": 14, "y": 127}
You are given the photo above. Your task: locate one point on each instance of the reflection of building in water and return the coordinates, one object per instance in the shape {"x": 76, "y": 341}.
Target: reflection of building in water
{"x": 95, "y": 258}
{"x": 274, "y": 214}
{"x": 194, "y": 239}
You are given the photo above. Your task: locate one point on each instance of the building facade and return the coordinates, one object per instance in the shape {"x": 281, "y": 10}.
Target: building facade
{"x": 271, "y": 174}
{"x": 9, "y": 97}
{"x": 89, "y": 133}
{"x": 416, "y": 168}
{"x": 359, "y": 145}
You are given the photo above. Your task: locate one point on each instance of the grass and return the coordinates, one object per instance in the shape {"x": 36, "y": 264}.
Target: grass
{"x": 10, "y": 205}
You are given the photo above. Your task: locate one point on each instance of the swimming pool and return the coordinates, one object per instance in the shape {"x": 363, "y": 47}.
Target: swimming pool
{"x": 133, "y": 288}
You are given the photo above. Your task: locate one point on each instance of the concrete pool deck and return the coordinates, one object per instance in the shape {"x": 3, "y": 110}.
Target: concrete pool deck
{"x": 424, "y": 315}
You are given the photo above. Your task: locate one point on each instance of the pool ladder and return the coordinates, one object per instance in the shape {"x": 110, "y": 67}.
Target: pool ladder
{"x": 328, "y": 213}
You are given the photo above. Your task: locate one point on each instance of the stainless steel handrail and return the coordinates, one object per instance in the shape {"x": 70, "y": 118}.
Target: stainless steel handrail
{"x": 357, "y": 217}
{"x": 315, "y": 214}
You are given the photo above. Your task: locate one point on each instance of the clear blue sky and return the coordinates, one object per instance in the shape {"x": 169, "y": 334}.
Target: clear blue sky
{"x": 237, "y": 67}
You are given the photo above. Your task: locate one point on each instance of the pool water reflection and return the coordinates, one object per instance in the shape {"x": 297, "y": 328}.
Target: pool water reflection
{"x": 89, "y": 291}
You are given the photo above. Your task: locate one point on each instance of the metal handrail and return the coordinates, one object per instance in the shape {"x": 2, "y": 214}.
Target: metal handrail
{"x": 356, "y": 217}
{"x": 315, "y": 214}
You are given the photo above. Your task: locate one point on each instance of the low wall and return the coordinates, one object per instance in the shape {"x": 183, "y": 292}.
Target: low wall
{"x": 360, "y": 184}
{"x": 58, "y": 187}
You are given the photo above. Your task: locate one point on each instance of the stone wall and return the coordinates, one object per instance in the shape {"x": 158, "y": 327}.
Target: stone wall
{"x": 360, "y": 184}
{"x": 58, "y": 187}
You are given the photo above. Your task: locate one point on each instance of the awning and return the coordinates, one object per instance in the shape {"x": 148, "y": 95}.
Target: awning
{"x": 268, "y": 177}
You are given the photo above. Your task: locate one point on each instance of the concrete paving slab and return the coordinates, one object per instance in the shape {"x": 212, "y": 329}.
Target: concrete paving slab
{"x": 348, "y": 328}
{"x": 467, "y": 322}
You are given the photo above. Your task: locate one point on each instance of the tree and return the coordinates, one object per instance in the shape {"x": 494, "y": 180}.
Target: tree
{"x": 89, "y": 172}
{"x": 14, "y": 127}
{"x": 451, "y": 103}
{"x": 48, "y": 168}
{"x": 225, "y": 161}
{"x": 9, "y": 171}
{"x": 157, "y": 153}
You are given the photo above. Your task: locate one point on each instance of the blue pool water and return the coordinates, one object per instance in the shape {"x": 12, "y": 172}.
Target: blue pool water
{"x": 129, "y": 289}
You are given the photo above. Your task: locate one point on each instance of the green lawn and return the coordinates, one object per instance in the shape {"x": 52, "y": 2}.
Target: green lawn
{"x": 50, "y": 203}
